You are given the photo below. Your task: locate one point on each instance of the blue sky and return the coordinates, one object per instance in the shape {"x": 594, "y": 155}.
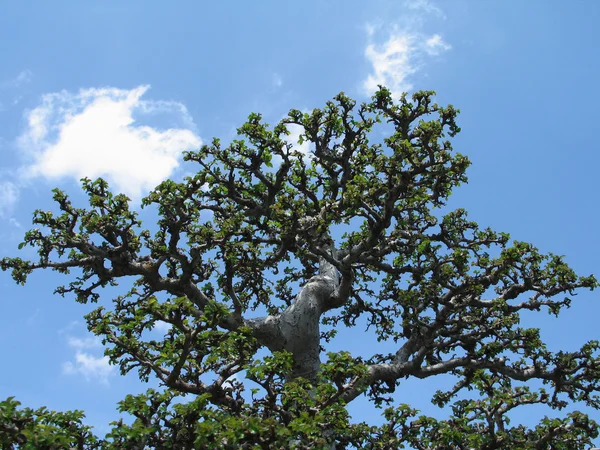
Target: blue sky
{"x": 119, "y": 89}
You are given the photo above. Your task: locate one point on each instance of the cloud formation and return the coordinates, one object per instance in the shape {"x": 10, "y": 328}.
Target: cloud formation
{"x": 11, "y": 88}
{"x": 424, "y": 6}
{"x": 92, "y": 368}
{"x": 294, "y": 137}
{"x": 23, "y": 77}
{"x": 82, "y": 343}
{"x": 397, "y": 58}
{"x": 97, "y": 133}
{"x": 161, "y": 326}
{"x": 9, "y": 194}
{"x": 435, "y": 45}
{"x": 392, "y": 63}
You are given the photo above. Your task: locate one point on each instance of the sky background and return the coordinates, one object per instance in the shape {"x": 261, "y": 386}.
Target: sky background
{"x": 120, "y": 89}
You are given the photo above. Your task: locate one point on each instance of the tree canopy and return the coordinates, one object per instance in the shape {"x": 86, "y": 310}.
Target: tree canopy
{"x": 258, "y": 259}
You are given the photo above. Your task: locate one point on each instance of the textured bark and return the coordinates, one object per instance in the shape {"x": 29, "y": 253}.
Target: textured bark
{"x": 296, "y": 329}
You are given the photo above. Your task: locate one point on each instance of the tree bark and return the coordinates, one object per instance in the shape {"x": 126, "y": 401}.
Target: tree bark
{"x": 296, "y": 329}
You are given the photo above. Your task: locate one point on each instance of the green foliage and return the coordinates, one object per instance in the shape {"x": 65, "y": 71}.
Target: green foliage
{"x": 42, "y": 429}
{"x": 350, "y": 233}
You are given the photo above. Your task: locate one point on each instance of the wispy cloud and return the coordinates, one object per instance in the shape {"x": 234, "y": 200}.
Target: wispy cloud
{"x": 277, "y": 80}
{"x": 11, "y": 87}
{"x": 70, "y": 326}
{"x": 83, "y": 343}
{"x": 23, "y": 77}
{"x": 33, "y": 318}
{"x": 97, "y": 133}
{"x": 435, "y": 45}
{"x": 392, "y": 62}
{"x": 397, "y": 52}
{"x": 92, "y": 368}
{"x": 9, "y": 194}
{"x": 9, "y": 189}
{"x": 424, "y": 6}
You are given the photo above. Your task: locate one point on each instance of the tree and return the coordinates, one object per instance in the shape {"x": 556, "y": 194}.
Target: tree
{"x": 268, "y": 247}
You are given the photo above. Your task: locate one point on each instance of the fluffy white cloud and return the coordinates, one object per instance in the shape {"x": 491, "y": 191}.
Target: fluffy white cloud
{"x": 90, "y": 367}
{"x": 295, "y": 132}
{"x": 401, "y": 56}
{"x": 404, "y": 50}
{"x": 161, "y": 326}
{"x": 392, "y": 64}
{"x": 9, "y": 195}
{"x": 96, "y": 133}
{"x": 305, "y": 148}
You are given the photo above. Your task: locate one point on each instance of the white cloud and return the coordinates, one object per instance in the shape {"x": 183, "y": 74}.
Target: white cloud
{"x": 162, "y": 326}
{"x": 11, "y": 88}
{"x": 370, "y": 29}
{"x": 94, "y": 133}
{"x": 82, "y": 343}
{"x": 9, "y": 194}
{"x": 25, "y": 76}
{"x": 90, "y": 367}
{"x": 398, "y": 58}
{"x": 306, "y": 148}
{"x": 435, "y": 45}
{"x": 15, "y": 223}
{"x": 425, "y": 6}
{"x": 295, "y": 132}
{"x": 397, "y": 52}
{"x": 392, "y": 64}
